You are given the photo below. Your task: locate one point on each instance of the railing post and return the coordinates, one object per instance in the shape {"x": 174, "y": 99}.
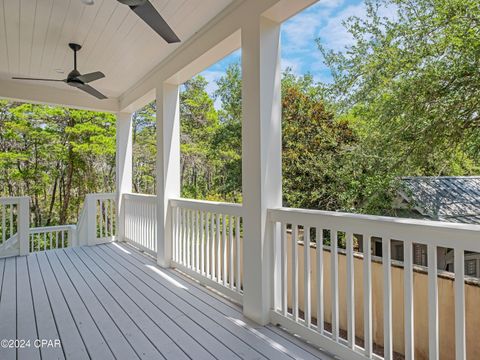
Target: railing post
{"x": 23, "y": 224}
{"x": 73, "y": 236}
{"x": 123, "y": 168}
{"x": 168, "y": 166}
{"x": 91, "y": 218}
{"x": 261, "y": 160}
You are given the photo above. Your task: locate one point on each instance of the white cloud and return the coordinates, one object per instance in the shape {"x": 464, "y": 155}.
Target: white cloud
{"x": 334, "y": 35}
{"x": 330, "y": 3}
{"x": 323, "y": 20}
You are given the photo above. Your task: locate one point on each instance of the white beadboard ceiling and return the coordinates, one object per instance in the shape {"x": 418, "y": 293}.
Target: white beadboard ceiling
{"x": 34, "y": 37}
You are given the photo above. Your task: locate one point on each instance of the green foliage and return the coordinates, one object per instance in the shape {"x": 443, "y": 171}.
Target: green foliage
{"x": 411, "y": 88}
{"x": 55, "y": 155}
{"x": 144, "y": 149}
{"x": 404, "y": 101}
{"x": 315, "y": 145}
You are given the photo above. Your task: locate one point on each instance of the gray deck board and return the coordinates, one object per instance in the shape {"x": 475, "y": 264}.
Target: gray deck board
{"x": 26, "y": 324}
{"x": 144, "y": 348}
{"x": 186, "y": 333}
{"x": 272, "y": 345}
{"x": 113, "y": 302}
{"x": 8, "y": 308}
{"x": 47, "y": 328}
{"x": 119, "y": 344}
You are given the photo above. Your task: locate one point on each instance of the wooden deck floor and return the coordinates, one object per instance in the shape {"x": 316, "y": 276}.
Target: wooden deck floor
{"x": 112, "y": 302}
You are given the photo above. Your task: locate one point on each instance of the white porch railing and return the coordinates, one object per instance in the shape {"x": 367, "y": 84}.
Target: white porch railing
{"x": 207, "y": 243}
{"x": 311, "y": 226}
{"x": 141, "y": 221}
{"x": 98, "y": 220}
{"x": 52, "y": 237}
{"x": 14, "y": 223}
{"x": 338, "y": 299}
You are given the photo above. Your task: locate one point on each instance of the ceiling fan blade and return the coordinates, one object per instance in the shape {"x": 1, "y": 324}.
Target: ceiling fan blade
{"x": 90, "y": 90}
{"x": 38, "y": 79}
{"x": 150, "y": 15}
{"x": 86, "y": 78}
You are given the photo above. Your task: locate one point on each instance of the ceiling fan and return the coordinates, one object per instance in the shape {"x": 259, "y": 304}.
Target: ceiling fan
{"x": 76, "y": 79}
{"x": 147, "y": 12}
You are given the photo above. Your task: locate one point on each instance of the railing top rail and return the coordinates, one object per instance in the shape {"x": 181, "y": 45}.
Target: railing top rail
{"x": 136, "y": 196}
{"x": 211, "y": 206}
{"x": 13, "y": 199}
{"x": 102, "y": 195}
{"x": 444, "y": 234}
{"x": 53, "y": 228}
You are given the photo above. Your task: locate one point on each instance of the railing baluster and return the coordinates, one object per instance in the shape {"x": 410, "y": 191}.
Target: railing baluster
{"x": 107, "y": 209}
{"x": 306, "y": 276}
{"x": 4, "y": 228}
{"x": 230, "y": 251}
{"x": 100, "y": 218}
{"x": 224, "y": 249}
{"x": 319, "y": 253}
{"x": 112, "y": 217}
{"x": 196, "y": 242}
{"x": 238, "y": 253}
{"x": 334, "y": 282}
{"x": 189, "y": 239}
{"x": 178, "y": 226}
{"x": 367, "y": 294}
{"x": 202, "y": 243}
{"x": 208, "y": 272}
{"x": 214, "y": 265}
{"x": 433, "y": 303}
{"x": 408, "y": 293}
{"x": 459, "y": 268}
{"x": 350, "y": 293}
{"x": 174, "y": 234}
{"x": 219, "y": 254}
{"x": 387, "y": 298}
{"x": 283, "y": 268}
{"x": 294, "y": 272}
{"x": 11, "y": 221}
{"x": 184, "y": 236}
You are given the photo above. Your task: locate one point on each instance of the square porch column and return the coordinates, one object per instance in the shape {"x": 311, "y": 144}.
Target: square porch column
{"x": 261, "y": 160}
{"x": 123, "y": 167}
{"x": 168, "y": 166}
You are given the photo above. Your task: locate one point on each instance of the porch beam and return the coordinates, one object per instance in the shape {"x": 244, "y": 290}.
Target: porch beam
{"x": 214, "y": 41}
{"x": 123, "y": 167}
{"x": 168, "y": 165}
{"x": 261, "y": 159}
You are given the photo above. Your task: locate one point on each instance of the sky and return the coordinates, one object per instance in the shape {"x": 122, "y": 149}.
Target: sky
{"x": 299, "y": 50}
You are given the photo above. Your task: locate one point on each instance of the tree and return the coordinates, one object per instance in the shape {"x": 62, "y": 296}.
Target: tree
{"x": 144, "y": 149}
{"x": 314, "y": 147}
{"x": 198, "y": 121}
{"x": 410, "y": 85}
{"x": 55, "y": 155}
{"x": 227, "y": 140}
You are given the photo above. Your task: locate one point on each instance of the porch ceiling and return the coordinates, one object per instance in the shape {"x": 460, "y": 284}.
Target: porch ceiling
{"x": 34, "y": 39}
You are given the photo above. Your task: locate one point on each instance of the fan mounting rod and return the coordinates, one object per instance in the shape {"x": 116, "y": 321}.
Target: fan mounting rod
{"x": 75, "y": 48}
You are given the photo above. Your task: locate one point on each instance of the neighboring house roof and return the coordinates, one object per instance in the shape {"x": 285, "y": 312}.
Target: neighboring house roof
{"x": 444, "y": 198}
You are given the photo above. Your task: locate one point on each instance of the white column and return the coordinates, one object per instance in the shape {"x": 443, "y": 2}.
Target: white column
{"x": 168, "y": 166}
{"x": 123, "y": 168}
{"x": 261, "y": 160}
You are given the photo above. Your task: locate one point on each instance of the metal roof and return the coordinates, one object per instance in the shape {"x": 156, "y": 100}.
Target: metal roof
{"x": 445, "y": 198}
